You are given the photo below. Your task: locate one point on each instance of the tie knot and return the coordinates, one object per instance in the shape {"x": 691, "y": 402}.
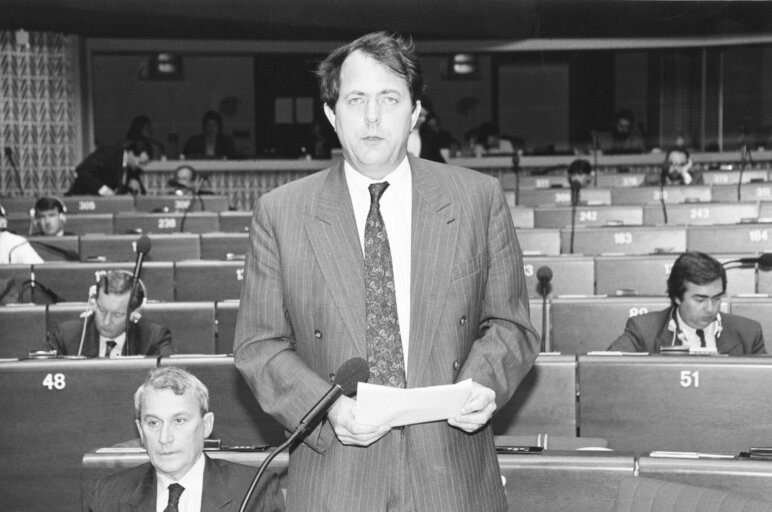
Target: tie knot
{"x": 111, "y": 344}
{"x": 175, "y": 491}
{"x": 377, "y": 190}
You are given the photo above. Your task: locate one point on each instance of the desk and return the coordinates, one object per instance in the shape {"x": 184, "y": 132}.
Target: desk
{"x": 742, "y": 238}
{"x": 643, "y": 195}
{"x": 175, "y": 203}
{"x": 701, "y": 214}
{"x": 121, "y": 247}
{"x": 617, "y": 180}
{"x": 522, "y": 216}
{"x": 546, "y": 482}
{"x": 71, "y": 280}
{"x": 545, "y": 401}
{"x": 172, "y": 222}
{"x": 539, "y": 241}
{"x": 52, "y": 416}
{"x": 224, "y": 246}
{"x": 56, "y": 248}
{"x": 751, "y": 478}
{"x": 748, "y": 192}
{"x": 560, "y": 216}
{"x": 678, "y": 403}
{"x": 581, "y": 325}
{"x": 98, "y": 204}
{"x": 85, "y": 223}
{"x": 23, "y": 329}
{"x": 12, "y": 276}
{"x": 733, "y": 177}
{"x": 571, "y": 275}
{"x": 539, "y": 197}
{"x": 625, "y": 240}
{"x": 759, "y": 309}
{"x": 208, "y": 280}
{"x": 235, "y": 222}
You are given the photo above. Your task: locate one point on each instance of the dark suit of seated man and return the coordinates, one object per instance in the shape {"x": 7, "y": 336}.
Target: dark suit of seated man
{"x": 102, "y": 330}
{"x": 696, "y": 285}
{"x": 173, "y": 419}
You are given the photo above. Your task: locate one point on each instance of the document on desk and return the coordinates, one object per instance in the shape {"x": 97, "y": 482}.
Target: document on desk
{"x": 382, "y": 405}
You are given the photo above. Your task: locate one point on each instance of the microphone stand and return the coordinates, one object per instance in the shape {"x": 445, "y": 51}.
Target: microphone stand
{"x": 662, "y": 196}
{"x": 745, "y": 159}
{"x": 574, "y": 200}
{"x": 516, "y": 170}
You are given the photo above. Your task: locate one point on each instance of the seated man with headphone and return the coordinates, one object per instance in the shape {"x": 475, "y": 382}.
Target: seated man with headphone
{"x": 677, "y": 169}
{"x": 47, "y": 217}
{"x": 112, "y": 325}
{"x": 696, "y": 285}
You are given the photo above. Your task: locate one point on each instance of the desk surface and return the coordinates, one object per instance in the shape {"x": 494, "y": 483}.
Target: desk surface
{"x": 679, "y": 403}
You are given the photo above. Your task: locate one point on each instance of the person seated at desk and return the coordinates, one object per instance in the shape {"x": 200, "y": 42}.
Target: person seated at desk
{"x": 15, "y": 248}
{"x": 102, "y": 330}
{"x": 112, "y": 170}
{"x": 623, "y": 137}
{"x": 48, "y": 217}
{"x": 173, "y": 418}
{"x": 186, "y": 181}
{"x": 579, "y": 172}
{"x": 212, "y": 143}
{"x": 696, "y": 286}
{"x": 677, "y": 169}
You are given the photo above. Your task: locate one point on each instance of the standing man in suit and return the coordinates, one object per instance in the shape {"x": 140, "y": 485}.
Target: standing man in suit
{"x": 173, "y": 418}
{"x": 696, "y": 285}
{"x": 102, "y": 330}
{"x": 435, "y": 297}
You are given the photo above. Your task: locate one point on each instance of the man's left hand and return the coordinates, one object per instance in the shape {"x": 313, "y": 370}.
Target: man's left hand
{"x": 477, "y": 411}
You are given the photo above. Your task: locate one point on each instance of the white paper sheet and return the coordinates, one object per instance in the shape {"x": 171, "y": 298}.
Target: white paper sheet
{"x": 382, "y": 405}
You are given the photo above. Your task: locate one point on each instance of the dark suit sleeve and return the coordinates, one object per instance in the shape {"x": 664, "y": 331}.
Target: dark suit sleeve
{"x": 91, "y": 171}
{"x": 504, "y": 353}
{"x": 758, "y": 343}
{"x": 161, "y": 344}
{"x": 631, "y": 340}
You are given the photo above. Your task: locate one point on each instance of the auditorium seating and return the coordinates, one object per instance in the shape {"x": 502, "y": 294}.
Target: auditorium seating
{"x": 644, "y": 195}
{"x": 625, "y": 240}
{"x": 175, "y": 203}
{"x": 172, "y": 222}
{"x": 572, "y": 275}
{"x": 692, "y": 214}
{"x": 198, "y": 280}
{"x": 560, "y": 216}
{"x": 224, "y": 246}
{"x": 539, "y": 197}
{"x": 23, "y": 329}
{"x": 165, "y": 247}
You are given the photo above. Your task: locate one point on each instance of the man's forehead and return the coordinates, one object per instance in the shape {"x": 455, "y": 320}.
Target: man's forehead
{"x": 165, "y": 402}
{"x": 710, "y": 289}
{"x": 359, "y": 67}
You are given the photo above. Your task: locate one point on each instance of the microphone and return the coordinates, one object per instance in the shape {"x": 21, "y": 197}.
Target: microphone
{"x": 662, "y": 180}
{"x": 142, "y": 247}
{"x": 345, "y": 382}
{"x": 544, "y": 275}
{"x": 576, "y": 187}
{"x": 14, "y": 168}
{"x": 764, "y": 261}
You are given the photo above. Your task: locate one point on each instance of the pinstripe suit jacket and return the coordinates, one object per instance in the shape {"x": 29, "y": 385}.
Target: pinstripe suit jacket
{"x": 303, "y": 313}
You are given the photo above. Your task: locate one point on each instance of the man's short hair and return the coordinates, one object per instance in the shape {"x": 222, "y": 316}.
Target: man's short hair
{"x": 676, "y": 150}
{"x": 120, "y": 282}
{"x": 45, "y": 204}
{"x": 695, "y": 267}
{"x": 178, "y": 380}
{"x": 392, "y": 50}
{"x": 579, "y": 166}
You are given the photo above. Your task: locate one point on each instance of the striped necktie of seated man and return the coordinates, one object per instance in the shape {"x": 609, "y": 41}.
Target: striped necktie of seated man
{"x": 384, "y": 342}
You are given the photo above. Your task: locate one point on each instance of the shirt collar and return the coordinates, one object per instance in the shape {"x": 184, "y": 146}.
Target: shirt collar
{"x": 361, "y": 182}
{"x": 193, "y": 479}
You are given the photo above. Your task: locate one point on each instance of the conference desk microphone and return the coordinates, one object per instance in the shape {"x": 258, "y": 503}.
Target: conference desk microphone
{"x": 576, "y": 188}
{"x": 544, "y": 275}
{"x": 662, "y": 197}
{"x": 141, "y": 247}
{"x": 345, "y": 381}
{"x": 764, "y": 261}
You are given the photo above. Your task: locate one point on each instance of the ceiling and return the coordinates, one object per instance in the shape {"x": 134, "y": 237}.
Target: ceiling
{"x": 423, "y": 19}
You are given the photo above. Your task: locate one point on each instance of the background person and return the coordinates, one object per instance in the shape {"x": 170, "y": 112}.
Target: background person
{"x": 15, "y": 248}
{"x": 696, "y": 285}
{"x": 187, "y": 181}
{"x": 48, "y": 217}
{"x": 430, "y": 294}
{"x": 112, "y": 170}
{"x": 173, "y": 418}
{"x": 102, "y": 331}
{"x": 677, "y": 169}
{"x": 212, "y": 143}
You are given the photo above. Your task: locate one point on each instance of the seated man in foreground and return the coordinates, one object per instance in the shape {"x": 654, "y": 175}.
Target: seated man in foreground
{"x": 696, "y": 285}
{"x": 103, "y": 330}
{"x": 173, "y": 419}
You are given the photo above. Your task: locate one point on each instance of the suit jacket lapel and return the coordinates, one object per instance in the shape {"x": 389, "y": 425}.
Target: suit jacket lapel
{"x": 216, "y": 492}
{"x": 333, "y": 234}
{"x": 144, "y": 496}
{"x": 434, "y": 234}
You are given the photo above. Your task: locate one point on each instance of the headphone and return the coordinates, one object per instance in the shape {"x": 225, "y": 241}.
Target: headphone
{"x": 3, "y": 220}
{"x": 58, "y": 204}
{"x": 101, "y": 282}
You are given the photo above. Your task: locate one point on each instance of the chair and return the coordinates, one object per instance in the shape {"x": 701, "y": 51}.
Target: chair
{"x": 192, "y": 324}
{"x": 23, "y": 329}
{"x": 638, "y": 494}
{"x": 208, "y": 280}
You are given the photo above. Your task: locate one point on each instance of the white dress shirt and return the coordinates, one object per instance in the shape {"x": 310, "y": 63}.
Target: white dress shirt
{"x": 193, "y": 482}
{"x": 396, "y": 207}
{"x": 120, "y": 340}
{"x": 692, "y": 340}
{"x": 16, "y": 249}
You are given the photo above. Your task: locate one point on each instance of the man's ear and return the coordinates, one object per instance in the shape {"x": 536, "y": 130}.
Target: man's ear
{"x": 208, "y": 424}
{"x": 415, "y": 115}
{"x": 330, "y": 113}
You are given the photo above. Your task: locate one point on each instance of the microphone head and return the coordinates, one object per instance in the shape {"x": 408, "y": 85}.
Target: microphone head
{"x": 351, "y": 373}
{"x": 544, "y": 274}
{"x": 765, "y": 261}
{"x": 143, "y": 245}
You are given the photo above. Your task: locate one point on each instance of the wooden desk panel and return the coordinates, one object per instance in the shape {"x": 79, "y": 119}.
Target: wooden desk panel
{"x": 540, "y": 197}
{"x": 644, "y": 195}
{"x": 181, "y": 203}
{"x": 571, "y": 275}
{"x": 581, "y": 325}
{"x": 165, "y": 247}
{"x": 539, "y": 241}
{"x": 594, "y": 216}
{"x": 748, "y": 192}
{"x": 751, "y": 478}
{"x": 23, "y": 328}
{"x": 625, "y": 240}
{"x": 677, "y": 403}
{"x": 545, "y": 402}
{"x": 98, "y": 204}
{"x": 173, "y": 222}
{"x": 742, "y": 238}
{"x": 59, "y": 410}
{"x": 224, "y": 246}
{"x": 208, "y": 280}
{"x": 235, "y": 222}
{"x": 691, "y": 214}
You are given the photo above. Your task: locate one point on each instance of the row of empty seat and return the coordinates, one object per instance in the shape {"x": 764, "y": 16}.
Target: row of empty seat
{"x": 125, "y": 203}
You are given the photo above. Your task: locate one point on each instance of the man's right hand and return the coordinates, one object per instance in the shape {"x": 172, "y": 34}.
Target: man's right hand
{"x": 106, "y": 191}
{"x": 341, "y": 417}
